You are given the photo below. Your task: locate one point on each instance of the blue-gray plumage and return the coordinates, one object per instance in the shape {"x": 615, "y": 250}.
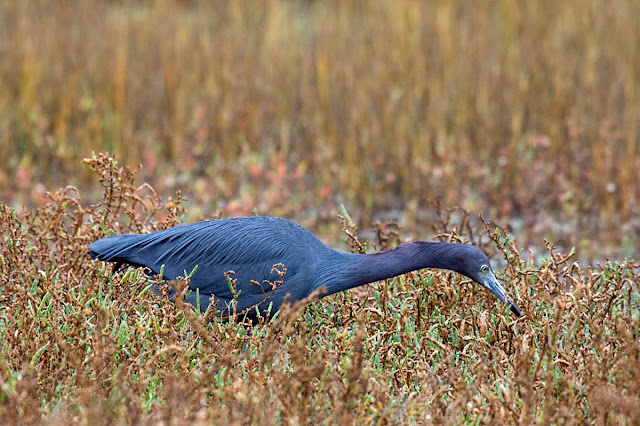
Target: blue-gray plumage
{"x": 251, "y": 246}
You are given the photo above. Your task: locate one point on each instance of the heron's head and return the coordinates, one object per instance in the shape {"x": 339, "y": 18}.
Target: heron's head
{"x": 475, "y": 264}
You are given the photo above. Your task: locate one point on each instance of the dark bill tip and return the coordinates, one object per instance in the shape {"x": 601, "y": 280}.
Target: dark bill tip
{"x": 515, "y": 310}
{"x": 513, "y": 307}
{"x": 496, "y": 288}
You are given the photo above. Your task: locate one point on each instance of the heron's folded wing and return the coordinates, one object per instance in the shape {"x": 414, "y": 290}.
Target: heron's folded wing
{"x": 215, "y": 247}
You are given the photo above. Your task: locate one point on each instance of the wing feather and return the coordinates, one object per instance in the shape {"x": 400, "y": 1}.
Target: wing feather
{"x": 248, "y": 246}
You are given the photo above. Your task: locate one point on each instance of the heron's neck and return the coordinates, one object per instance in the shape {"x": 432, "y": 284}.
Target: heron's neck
{"x": 344, "y": 271}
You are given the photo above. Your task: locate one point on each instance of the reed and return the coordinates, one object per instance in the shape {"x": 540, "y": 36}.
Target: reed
{"x": 522, "y": 110}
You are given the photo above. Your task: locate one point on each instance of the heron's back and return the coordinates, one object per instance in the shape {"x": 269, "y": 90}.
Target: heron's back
{"x": 249, "y": 247}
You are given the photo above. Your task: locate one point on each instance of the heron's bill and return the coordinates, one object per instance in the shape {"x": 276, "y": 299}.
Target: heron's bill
{"x": 514, "y": 308}
{"x": 496, "y": 288}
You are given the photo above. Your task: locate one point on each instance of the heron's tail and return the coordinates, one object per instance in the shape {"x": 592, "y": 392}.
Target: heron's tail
{"x": 116, "y": 249}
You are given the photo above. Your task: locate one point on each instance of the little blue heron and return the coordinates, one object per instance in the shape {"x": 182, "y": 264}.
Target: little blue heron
{"x": 251, "y": 246}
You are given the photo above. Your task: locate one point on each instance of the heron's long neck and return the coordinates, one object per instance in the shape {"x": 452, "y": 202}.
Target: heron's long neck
{"x": 345, "y": 271}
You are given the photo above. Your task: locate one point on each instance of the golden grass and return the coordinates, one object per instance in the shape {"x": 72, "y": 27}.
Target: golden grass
{"x": 520, "y": 109}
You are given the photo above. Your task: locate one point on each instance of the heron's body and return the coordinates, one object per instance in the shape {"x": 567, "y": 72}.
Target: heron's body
{"x": 251, "y": 246}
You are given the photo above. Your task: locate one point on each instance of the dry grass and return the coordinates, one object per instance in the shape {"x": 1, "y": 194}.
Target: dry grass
{"x": 527, "y": 111}
{"x": 80, "y": 346}
{"x": 524, "y": 110}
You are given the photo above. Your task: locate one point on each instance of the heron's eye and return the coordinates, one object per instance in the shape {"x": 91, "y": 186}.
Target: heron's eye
{"x": 484, "y": 269}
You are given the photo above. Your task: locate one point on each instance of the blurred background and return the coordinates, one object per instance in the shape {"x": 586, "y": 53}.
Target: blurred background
{"x": 528, "y": 112}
